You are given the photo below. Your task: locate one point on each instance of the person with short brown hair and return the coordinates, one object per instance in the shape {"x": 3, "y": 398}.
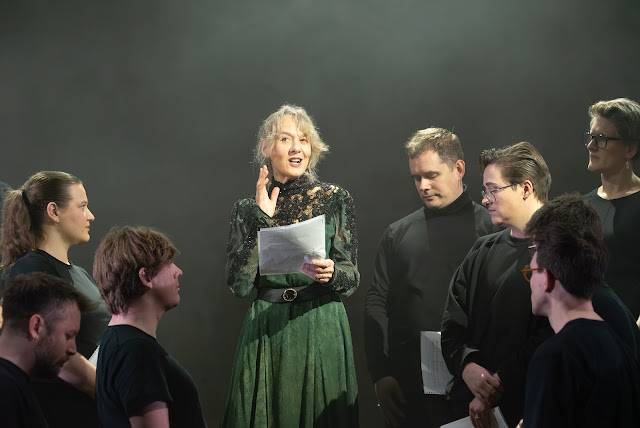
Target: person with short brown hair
{"x": 41, "y": 320}
{"x": 138, "y": 383}
{"x": 416, "y": 259}
{"x": 488, "y": 330}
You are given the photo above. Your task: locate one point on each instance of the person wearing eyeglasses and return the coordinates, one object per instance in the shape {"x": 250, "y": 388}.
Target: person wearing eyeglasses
{"x": 416, "y": 258}
{"x": 612, "y": 143}
{"x": 585, "y": 375}
{"x": 579, "y": 216}
{"x": 488, "y": 331}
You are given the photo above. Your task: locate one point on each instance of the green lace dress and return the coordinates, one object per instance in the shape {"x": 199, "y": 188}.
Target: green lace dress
{"x": 294, "y": 362}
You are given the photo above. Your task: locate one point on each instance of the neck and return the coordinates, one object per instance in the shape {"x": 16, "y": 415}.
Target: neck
{"x": 55, "y": 246}
{"x": 618, "y": 184}
{"x": 564, "y": 311}
{"x": 139, "y": 315}
{"x": 17, "y": 349}
{"x": 520, "y": 222}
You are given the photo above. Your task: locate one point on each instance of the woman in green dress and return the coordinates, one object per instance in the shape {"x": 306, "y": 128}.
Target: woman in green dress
{"x": 294, "y": 362}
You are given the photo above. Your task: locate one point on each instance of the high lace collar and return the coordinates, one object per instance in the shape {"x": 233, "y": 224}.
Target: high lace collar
{"x": 303, "y": 181}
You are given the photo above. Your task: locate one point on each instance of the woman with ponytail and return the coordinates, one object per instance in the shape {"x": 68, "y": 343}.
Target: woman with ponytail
{"x": 41, "y": 220}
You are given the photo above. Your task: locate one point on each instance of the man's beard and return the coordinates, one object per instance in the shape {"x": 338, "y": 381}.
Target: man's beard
{"x": 47, "y": 364}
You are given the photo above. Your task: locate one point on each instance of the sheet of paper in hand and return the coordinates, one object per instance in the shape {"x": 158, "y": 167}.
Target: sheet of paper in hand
{"x": 284, "y": 249}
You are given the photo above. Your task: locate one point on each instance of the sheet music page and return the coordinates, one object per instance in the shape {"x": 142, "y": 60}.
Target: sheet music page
{"x": 435, "y": 375}
{"x": 284, "y": 249}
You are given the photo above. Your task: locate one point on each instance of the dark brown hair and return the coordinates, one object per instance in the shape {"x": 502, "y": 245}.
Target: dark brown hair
{"x": 520, "y": 162}
{"x": 39, "y": 293}
{"x": 119, "y": 258}
{"x": 25, "y": 209}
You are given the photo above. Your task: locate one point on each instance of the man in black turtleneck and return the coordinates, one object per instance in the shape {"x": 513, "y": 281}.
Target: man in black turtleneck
{"x": 414, "y": 265}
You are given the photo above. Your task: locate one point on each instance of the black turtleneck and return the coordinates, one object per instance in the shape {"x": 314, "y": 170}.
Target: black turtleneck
{"x": 416, "y": 259}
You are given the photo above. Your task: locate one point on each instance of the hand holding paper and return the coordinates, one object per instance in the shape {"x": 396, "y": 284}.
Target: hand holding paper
{"x": 320, "y": 270}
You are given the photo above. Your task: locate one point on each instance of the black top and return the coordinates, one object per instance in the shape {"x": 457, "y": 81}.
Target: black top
{"x": 622, "y": 236}
{"x": 134, "y": 371}
{"x": 18, "y": 404}
{"x": 416, "y": 259}
{"x": 608, "y": 305}
{"x": 583, "y": 377}
{"x": 488, "y": 319}
{"x": 92, "y": 323}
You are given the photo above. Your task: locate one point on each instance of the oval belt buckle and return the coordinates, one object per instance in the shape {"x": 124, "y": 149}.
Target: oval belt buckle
{"x": 289, "y": 295}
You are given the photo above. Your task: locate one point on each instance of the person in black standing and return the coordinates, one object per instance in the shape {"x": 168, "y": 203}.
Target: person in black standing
{"x": 585, "y": 375}
{"x": 416, "y": 258}
{"x": 612, "y": 142}
{"x": 138, "y": 384}
{"x": 38, "y": 336}
{"x": 488, "y": 331}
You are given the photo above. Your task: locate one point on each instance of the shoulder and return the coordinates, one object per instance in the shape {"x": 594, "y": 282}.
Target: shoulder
{"x": 330, "y": 189}
{"x": 130, "y": 341}
{"x": 406, "y": 222}
{"x": 33, "y": 262}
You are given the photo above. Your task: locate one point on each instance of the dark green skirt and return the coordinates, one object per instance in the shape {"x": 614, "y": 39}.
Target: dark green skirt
{"x": 294, "y": 367}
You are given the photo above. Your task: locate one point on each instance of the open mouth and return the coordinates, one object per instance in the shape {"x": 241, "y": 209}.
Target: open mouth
{"x": 295, "y": 161}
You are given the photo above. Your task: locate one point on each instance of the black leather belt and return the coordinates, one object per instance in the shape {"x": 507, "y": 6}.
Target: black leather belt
{"x": 293, "y": 294}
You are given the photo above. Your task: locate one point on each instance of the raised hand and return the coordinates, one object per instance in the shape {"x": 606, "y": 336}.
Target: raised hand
{"x": 266, "y": 203}
{"x": 320, "y": 270}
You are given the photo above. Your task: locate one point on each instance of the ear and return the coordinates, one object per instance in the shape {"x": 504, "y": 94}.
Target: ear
{"x": 36, "y": 326}
{"x": 459, "y": 167}
{"x": 550, "y": 281}
{"x": 527, "y": 189}
{"x": 632, "y": 149}
{"x": 52, "y": 212}
{"x": 265, "y": 148}
{"x": 142, "y": 274}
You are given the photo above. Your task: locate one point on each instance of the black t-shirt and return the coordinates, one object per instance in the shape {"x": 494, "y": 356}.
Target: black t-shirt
{"x": 583, "y": 377}
{"x": 18, "y": 404}
{"x": 135, "y": 371}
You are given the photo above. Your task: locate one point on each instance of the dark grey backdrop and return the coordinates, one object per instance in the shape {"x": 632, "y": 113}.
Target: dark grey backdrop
{"x": 155, "y": 105}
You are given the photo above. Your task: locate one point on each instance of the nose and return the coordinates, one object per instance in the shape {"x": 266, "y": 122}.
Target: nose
{"x": 72, "y": 348}
{"x": 591, "y": 145}
{"x": 90, "y": 215}
{"x": 178, "y": 271}
{"x": 425, "y": 184}
{"x": 295, "y": 145}
{"x": 485, "y": 201}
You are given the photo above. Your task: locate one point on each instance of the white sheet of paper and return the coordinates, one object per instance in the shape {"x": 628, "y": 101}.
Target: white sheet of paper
{"x": 495, "y": 417}
{"x": 435, "y": 375}
{"x": 284, "y": 249}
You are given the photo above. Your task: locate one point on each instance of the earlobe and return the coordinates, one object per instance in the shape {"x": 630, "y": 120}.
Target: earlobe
{"x": 265, "y": 149}
{"x": 550, "y": 282}
{"x": 460, "y": 168}
{"x": 36, "y": 326}
{"x": 52, "y": 212}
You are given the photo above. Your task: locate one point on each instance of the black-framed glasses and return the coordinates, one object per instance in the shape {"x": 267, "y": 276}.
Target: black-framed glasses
{"x": 532, "y": 249}
{"x": 527, "y": 272}
{"x": 601, "y": 140}
{"x": 491, "y": 194}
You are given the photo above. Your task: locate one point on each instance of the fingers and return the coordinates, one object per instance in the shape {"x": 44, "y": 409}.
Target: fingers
{"x": 274, "y": 195}
{"x": 321, "y": 270}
